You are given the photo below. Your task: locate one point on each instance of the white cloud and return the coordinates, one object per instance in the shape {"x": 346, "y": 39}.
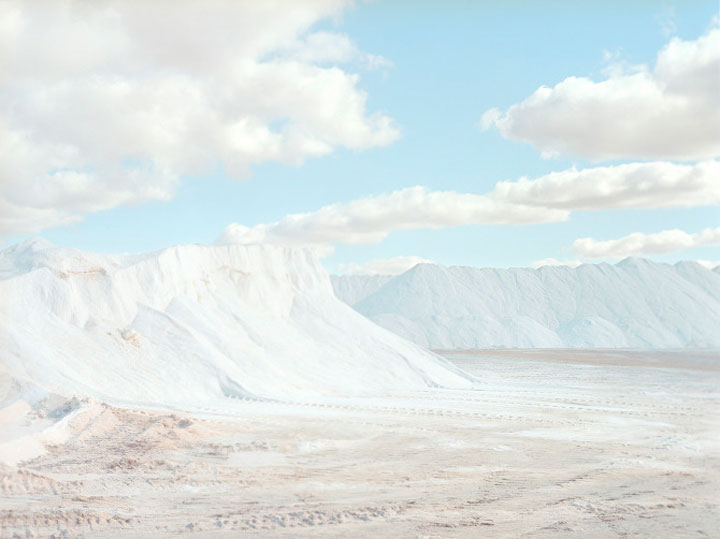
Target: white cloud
{"x": 489, "y": 117}
{"x": 549, "y": 198}
{"x": 553, "y": 262}
{"x": 107, "y": 103}
{"x": 633, "y": 185}
{"x": 667, "y": 241}
{"x": 383, "y": 266}
{"x": 333, "y": 48}
{"x": 666, "y": 20}
{"x": 709, "y": 264}
{"x": 669, "y": 112}
{"x": 371, "y": 219}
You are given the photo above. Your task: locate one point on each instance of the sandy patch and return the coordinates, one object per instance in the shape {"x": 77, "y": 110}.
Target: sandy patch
{"x": 553, "y": 445}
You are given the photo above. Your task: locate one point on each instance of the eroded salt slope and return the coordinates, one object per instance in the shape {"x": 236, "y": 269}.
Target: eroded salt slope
{"x": 633, "y": 304}
{"x": 192, "y": 323}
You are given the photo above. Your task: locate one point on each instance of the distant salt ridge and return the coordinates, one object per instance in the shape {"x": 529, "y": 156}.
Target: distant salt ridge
{"x": 635, "y": 303}
{"x": 193, "y": 323}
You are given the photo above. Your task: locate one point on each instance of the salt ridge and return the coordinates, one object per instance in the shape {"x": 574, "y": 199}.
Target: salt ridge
{"x": 635, "y": 303}
{"x": 195, "y": 323}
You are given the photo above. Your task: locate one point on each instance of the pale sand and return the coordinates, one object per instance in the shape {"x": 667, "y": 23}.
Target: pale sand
{"x": 555, "y": 444}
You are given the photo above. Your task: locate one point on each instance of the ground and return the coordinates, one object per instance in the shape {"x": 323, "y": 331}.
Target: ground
{"x": 552, "y": 444}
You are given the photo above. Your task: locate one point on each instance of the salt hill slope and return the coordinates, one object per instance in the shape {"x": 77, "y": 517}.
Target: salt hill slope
{"x": 193, "y": 323}
{"x": 633, "y": 304}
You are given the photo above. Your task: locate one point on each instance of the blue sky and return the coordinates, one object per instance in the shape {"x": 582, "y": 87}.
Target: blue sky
{"x": 450, "y": 62}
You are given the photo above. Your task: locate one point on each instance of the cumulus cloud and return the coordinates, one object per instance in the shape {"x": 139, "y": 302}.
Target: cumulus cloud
{"x": 638, "y": 243}
{"x": 371, "y": 219}
{"x": 107, "y": 103}
{"x": 633, "y": 185}
{"x": 671, "y": 111}
{"x": 383, "y": 266}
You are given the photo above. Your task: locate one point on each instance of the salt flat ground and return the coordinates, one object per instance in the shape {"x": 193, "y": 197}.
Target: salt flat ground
{"x": 554, "y": 444}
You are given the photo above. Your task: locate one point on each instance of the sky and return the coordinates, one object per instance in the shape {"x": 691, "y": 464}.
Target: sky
{"x": 380, "y": 134}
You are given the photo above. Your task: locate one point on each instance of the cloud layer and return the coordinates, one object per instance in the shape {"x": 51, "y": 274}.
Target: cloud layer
{"x": 667, "y": 241}
{"x": 108, "y": 103}
{"x": 371, "y": 219}
{"x": 633, "y": 185}
{"x": 549, "y": 198}
{"x": 669, "y": 112}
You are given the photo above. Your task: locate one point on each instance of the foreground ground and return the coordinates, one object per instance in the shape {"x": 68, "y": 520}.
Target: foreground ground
{"x": 554, "y": 444}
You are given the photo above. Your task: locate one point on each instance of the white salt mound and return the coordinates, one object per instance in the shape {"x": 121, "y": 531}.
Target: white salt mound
{"x": 633, "y": 304}
{"x": 193, "y": 323}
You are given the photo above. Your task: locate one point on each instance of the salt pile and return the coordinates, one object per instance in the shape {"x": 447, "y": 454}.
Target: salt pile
{"x": 193, "y": 323}
{"x": 636, "y": 303}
